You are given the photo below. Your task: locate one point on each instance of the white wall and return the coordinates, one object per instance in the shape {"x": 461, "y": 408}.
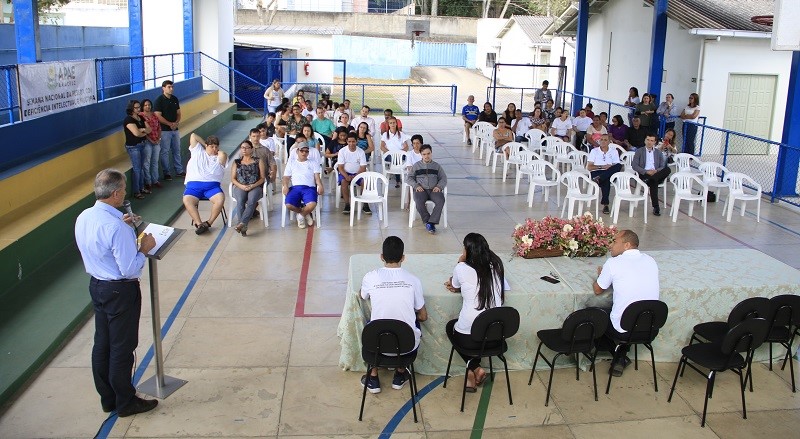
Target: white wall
{"x": 213, "y": 35}
{"x": 162, "y": 26}
{"x": 488, "y": 28}
{"x": 307, "y": 46}
{"x": 726, "y": 57}
{"x": 624, "y": 30}
{"x": 516, "y": 48}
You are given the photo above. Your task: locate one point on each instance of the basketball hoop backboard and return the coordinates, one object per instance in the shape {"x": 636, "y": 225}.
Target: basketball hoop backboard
{"x": 785, "y": 31}
{"x": 417, "y": 28}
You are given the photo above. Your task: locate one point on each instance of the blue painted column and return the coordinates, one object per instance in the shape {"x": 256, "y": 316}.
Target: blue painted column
{"x": 26, "y": 29}
{"x": 657, "y": 44}
{"x": 580, "y": 54}
{"x": 188, "y": 37}
{"x": 789, "y": 159}
{"x": 136, "y": 44}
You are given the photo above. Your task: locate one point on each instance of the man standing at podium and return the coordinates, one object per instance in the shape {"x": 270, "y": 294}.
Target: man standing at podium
{"x": 107, "y": 243}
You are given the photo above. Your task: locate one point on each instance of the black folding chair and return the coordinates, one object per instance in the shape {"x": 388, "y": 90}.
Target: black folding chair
{"x": 389, "y": 343}
{"x": 784, "y": 323}
{"x": 490, "y": 329}
{"x": 576, "y": 336}
{"x": 641, "y": 320}
{"x": 726, "y": 355}
{"x": 714, "y": 332}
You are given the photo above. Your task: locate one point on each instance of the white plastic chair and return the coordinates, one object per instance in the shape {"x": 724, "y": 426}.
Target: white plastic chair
{"x": 286, "y": 213}
{"x": 561, "y": 155}
{"x": 480, "y": 130}
{"x": 265, "y": 202}
{"x": 684, "y": 162}
{"x": 320, "y": 142}
{"x": 525, "y": 157}
{"x": 627, "y": 159}
{"x": 370, "y": 193}
{"x": 281, "y": 154}
{"x": 737, "y": 182}
{"x": 549, "y": 147}
{"x": 713, "y": 176}
{"x": 534, "y": 137}
{"x": 537, "y": 176}
{"x": 620, "y": 149}
{"x": 514, "y": 149}
{"x": 624, "y": 191}
{"x": 396, "y": 165}
{"x": 573, "y": 181}
{"x": 685, "y": 184}
{"x": 412, "y": 207}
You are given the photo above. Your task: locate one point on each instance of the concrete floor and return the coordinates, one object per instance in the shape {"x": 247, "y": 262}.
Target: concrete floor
{"x": 256, "y": 339}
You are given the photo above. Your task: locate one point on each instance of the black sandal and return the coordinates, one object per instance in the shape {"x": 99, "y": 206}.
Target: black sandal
{"x": 202, "y": 228}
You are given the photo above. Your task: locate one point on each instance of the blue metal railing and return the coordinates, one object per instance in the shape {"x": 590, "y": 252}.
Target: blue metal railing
{"x": 400, "y": 98}
{"x": 119, "y": 76}
{"x": 9, "y": 97}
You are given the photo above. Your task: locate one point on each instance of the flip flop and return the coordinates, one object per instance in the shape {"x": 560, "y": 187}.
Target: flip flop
{"x": 469, "y": 389}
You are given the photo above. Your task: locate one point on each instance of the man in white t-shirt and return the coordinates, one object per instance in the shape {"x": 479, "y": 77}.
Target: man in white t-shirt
{"x": 520, "y": 125}
{"x": 396, "y": 294}
{"x": 306, "y": 185}
{"x": 634, "y": 276}
{"x": 350, "y": 162}
{"x": 364, "y": 117}
{"x": 204, "y": 172}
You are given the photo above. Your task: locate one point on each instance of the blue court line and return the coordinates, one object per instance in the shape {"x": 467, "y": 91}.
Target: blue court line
{"x": 106, "y": 427}
{"x": 395, "y": 421}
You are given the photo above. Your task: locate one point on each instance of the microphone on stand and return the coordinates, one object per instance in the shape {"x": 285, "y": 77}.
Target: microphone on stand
{"x": 127, "y": 206}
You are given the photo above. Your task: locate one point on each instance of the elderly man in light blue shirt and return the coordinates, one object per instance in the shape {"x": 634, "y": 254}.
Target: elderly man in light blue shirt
{"x": 107, "y": 243}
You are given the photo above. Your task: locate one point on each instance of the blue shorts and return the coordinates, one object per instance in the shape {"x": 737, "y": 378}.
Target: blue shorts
{"x": 341, "y": 177}
{"x": 202, "y": 190}
{"x": 301, "y": 195}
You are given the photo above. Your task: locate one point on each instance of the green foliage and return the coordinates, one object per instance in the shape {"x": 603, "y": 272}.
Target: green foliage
{"x": 472, "y": 8}
{"x": 47, "y": 5}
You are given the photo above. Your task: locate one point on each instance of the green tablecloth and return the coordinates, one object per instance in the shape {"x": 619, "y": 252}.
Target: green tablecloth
{"x": 697, "y": 285}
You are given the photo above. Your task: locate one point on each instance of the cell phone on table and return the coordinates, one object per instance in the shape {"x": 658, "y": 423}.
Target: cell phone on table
{"x": 550, "y": 279}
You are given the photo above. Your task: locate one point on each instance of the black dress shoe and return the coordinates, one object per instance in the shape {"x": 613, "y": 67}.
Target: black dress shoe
{"x": 138, "y": 405}
{"x": 657, "y": 212}
{"x": 109, "y": 408}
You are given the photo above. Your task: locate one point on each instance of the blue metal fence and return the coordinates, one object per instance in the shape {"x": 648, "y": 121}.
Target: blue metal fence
{"x": 9, "y": 98}
{"x": 400, "y": 98}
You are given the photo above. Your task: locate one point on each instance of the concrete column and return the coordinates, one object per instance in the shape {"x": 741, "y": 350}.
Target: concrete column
{"x": 188, "y": 37}
{"x": 657, "y": 44}
{"x": 789, "y": 159}
{"x": 26, "y": 29}
{"x": 580, "y": 54}
{"x": 214, "y": 37}
{"x": 136, "y": 44}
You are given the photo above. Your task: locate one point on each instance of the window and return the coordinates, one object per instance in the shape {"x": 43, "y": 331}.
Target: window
{"x": 490, "y": 59}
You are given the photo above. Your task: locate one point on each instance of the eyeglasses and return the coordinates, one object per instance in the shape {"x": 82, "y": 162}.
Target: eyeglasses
{"x": 247, "y": 147}
{"x": 305, "y": 151}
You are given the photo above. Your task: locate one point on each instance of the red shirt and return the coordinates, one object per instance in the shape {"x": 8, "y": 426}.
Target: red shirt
{"x": 385, "y": 126}
{"x": 155, "y": 127}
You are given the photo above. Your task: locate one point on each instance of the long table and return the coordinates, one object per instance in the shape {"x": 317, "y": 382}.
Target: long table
{"x": 697, "y": 285}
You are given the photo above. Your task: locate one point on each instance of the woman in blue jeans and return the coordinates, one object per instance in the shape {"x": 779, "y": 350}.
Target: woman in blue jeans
{"x": 135, "y": 130}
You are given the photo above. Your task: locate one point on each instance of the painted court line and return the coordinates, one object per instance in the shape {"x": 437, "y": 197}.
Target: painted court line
{"x": 300, "y": 305}
{"x": 108, "y": 424}
{"x": 403, "y": 411}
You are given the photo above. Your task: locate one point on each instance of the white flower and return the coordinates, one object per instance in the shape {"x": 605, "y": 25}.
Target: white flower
{"x": 568, "y": 228}
{"x": 527, "y": 239}
{"x": 600, "y": 219}
{"x": 588, "y": 214}
{"x": 572, "y": 244}
{"x": 518, "y": 226}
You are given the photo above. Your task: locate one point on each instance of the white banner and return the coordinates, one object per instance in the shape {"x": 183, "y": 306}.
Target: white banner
{"x": 53, "y": 87}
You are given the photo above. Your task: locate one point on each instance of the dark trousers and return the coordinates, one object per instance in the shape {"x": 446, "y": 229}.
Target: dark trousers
{"x": 117, "y": 308}
{"x": 438, "y": 203}
{"x": 690, "y": 132}
{"x": 652, "y": 182}
{"x": 603, "y": 179}
{"x": 465, "y": 341}
{"x": 611, "y": 335}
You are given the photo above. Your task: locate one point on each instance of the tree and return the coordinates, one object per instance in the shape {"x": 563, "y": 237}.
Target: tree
{"x": 43, "y": 6}
{"x": 494, "y": 8}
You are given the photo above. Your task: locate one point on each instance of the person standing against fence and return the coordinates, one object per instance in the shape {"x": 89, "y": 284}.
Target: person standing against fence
{"x": 152, "y": 146}
{"x": 135, "y": 132}
{"x": 168, "y": 111}
{"x": 543, "y": 94}
{"x": 274, "y": 96}
{"x": 690, "y": 114}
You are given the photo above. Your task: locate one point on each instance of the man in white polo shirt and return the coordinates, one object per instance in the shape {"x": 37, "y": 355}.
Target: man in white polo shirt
{"x": 303, "y": 175}
{"x": 634, "y": 276}
{"x": 396, "y": 294}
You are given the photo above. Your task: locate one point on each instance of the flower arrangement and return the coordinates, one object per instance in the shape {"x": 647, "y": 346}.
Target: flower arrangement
{"x": 582, "y": 235}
